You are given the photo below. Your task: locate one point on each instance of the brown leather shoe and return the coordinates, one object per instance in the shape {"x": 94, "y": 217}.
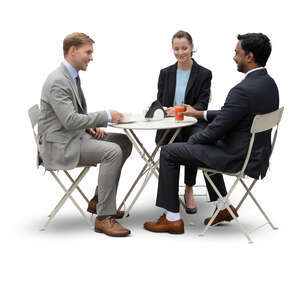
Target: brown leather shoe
{"x": 92, "y": 208}
{"x": 163, "y": 225}
{"x": 120, "y": 214}
{"x": 110, "y": 227}
{"x": 223, "y": 215}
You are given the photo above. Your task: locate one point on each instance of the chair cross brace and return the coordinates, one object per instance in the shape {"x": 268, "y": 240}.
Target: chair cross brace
{"x": 67, "y": 195}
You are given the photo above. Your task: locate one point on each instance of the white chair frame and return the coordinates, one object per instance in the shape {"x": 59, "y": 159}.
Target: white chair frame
{"x": 260, "y": 123}
{"x": 34, "y": 113}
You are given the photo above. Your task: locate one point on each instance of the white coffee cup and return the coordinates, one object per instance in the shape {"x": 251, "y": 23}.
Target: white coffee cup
{"x": 127, "y": 117}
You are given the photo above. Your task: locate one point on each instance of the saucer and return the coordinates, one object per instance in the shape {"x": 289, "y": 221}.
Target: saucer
{"x": 126, "y": 122}
{"x": 154, "y": 119}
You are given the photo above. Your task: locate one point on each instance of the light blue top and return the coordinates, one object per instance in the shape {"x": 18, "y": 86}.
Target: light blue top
{"x": 182, "y": 78}
{"x": 74, "y": 74}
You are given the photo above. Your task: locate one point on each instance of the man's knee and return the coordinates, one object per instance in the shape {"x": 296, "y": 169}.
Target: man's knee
{"x": 122, "y": 141}
{"x": 114, "y": 152}
{"x": 170, "y": 150}
{"x": 176, "y": 153}
{"x": 165, "y": 154}
{"x": 125, "y": 145}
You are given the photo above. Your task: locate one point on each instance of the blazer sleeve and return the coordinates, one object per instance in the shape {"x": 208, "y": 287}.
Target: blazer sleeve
{"x": 236, "y": 107}
{"x": 211, "y": 115}
{"x": 203, "y": 98}
{"x": 160, "y": 86}
{"x": 62, "y": 103}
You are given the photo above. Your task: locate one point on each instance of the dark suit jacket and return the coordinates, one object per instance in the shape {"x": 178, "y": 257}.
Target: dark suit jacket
{"x": 226, "y": 138}
{"x": 197, "y": 91}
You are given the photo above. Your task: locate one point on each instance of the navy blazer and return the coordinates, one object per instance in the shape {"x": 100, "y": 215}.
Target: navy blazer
{"x": 197, "y": 92}
{"x": 226, "y": 138}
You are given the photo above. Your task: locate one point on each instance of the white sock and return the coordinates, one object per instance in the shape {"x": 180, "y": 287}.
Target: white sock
{"x": 171, "y": 216}
{"x": 220, "y": 203}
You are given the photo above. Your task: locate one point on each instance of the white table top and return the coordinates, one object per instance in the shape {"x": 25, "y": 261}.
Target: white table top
{"x": 166, "y": 123}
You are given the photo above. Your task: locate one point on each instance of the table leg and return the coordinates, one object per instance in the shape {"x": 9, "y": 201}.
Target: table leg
{"x": 149, "y": 175}
{"x": 143, "y": 151}
{"x": 152, "y": 165}
{"x": 149, "y": 163}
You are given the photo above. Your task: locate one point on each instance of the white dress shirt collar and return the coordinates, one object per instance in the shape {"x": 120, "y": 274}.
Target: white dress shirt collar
{"x": 253, "y": 70}
{"x": 71, "y": 70}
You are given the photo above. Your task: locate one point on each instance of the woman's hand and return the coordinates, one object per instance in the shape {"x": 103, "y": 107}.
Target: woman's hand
{"x": 170, "y": 111}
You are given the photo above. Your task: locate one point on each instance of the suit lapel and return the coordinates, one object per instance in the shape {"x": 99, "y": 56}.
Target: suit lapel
{"x": 191, "y": 80}
{"x": 67, "y": 74}
{"x": 172, "y": 84}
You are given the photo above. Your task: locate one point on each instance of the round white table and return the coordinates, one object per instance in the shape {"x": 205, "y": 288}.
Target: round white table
{"x": 166, "y": 123}
{"x": 151, "y": 166}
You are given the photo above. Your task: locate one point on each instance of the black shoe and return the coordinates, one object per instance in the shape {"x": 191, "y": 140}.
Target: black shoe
{"x": 188, "y": 210}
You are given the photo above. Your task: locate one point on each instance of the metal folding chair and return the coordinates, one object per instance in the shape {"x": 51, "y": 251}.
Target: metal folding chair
{"x": 34, "y": 113}
{"x": 260, "y": 123}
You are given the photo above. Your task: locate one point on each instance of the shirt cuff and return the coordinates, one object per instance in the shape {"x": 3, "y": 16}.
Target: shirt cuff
{"x": 108, "y": 116}
{"x": 205, "y": 115}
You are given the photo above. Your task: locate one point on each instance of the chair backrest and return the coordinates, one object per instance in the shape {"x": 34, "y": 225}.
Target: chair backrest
{"x": 263, "y": 123}
{"x": 267, "y": 121}
{"x": 34, "y": 113}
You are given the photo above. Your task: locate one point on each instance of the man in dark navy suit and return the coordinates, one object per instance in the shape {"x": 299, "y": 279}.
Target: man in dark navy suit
{"x": 224, "y": 141}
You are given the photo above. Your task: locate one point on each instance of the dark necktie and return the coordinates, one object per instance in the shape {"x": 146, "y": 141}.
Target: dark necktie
{"x": 80, "y": 94}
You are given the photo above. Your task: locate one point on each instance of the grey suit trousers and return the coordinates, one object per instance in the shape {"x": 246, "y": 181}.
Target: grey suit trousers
{"x": 111, "y": 152}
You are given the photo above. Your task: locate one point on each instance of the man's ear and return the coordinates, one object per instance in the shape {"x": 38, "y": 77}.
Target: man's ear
{"x": 72, "y": 50}
{"x": 250, "y": 57}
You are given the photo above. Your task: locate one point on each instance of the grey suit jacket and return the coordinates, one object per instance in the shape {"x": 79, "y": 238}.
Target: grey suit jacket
{"x": 63, "y": 120}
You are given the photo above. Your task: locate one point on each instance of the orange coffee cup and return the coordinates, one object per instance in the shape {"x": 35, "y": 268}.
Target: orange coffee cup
{"x": 179, "y": 117}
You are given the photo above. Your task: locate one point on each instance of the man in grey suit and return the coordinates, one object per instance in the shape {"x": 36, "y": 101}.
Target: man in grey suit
{"x": 69, "y": 136}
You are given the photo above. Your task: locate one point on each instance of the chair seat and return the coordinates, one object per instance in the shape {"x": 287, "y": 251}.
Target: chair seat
{"x": 220, "y": 172}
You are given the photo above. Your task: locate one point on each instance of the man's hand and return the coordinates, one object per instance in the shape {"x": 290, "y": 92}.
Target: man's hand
{"x": 192, "y": 112}
{"x": 115, "y": 116}
{"x": 97, "y": 133}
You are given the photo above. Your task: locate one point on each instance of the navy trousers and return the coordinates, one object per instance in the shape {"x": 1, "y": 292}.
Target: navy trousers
{"x": 172, "y": 156}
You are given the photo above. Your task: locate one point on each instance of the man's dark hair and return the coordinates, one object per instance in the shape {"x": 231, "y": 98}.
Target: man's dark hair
{"x": 257, "y": 43}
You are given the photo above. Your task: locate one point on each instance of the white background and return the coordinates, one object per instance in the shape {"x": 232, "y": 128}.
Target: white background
{"x": 133, "y": 42}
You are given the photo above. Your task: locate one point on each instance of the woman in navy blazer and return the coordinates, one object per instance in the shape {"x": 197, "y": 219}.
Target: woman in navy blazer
{"x": 189, "y": 83}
